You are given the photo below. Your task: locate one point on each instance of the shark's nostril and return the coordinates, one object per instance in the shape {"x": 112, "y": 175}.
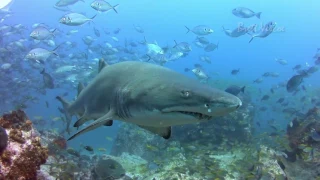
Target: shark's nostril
{"x": 238, "y": 106}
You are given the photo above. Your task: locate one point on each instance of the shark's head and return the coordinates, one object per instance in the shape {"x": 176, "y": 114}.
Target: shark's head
{"x": 201, "y": 103}
{"x": 184, "y": 103}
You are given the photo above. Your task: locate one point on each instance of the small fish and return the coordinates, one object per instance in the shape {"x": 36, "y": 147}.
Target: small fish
{"x": 237, "y": 32}
{"x": 211, "y": 47}
{"x": 297, "y": 67}
{"x": 281, "y": 61}
{"x": 265, "y": 31}
{"x": 75, "y": 19}
{"x": 63, "y": 3}
{"x": 265, "y": 97}
{"x": 47, "y": 104}
{"x": 258, "y": 124}
{"x": 88, "y": 148}
{"x": 243, "y": 12}
{"x": 274, "y": 128}
{"x": 109, "y": 138}
{"x": 138, "y": 29}
{"x": 235, "y": 90}
{"x": 235, "y": 71}
{"x": 41, "y": 33}
{"x": 103, "y": 6}
{"x": 73, "y": 152}
{"x": 259, "y": 80}
{"x": 200, "y": 30}
{"x": 102, "y": 150}
{"x": 96, "y": 32}
{"x": 40, "y": 55}
{"x": 294, "y": 82}
{"x": 47, "y": 79}
{"x": 280, "y": 100}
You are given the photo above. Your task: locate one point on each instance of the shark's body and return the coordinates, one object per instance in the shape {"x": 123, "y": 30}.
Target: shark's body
{"x": 148, "y": 95}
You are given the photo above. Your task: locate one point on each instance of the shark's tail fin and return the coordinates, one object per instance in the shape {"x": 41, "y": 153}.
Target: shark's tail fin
{"x": 64, "y": 103}
{"x": 66, "y": 112}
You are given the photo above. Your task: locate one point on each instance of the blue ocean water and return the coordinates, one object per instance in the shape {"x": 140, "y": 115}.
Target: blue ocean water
{"x": 296, "y": 39}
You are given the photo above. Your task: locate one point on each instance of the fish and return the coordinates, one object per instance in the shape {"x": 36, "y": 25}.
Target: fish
{"x": 75, "y": 19}
{"x": 167, "y": 98}
{"x": 200, "y": 30}
{"x": 297, "y": 67}
{"x": 96, "y": 32}
{"x": 40, "y": 55}
{"x": 41, "y": 33}
{"x": 265, "y": 31}
{"x": 265, "y": 97}
{"x": 237, "y": 32}
{"x": 199, "y": 72}
{"x": 243, "y": 12}
{"x": 235, "y": 71}
{"x": 103, "y": 6}
{"x": 47, "y": 79}
{"x": 280, "y": 100}
{"x": 235, "y": 90}
{"x": 281, "y": 61}
{"x": 88, "y": 148}
{"x": 138, "y": 28}
{"x": 294, "y": 82}
{"x": 211, "y": 47}
{"x": 63, "y": 3}
{"x": 183, "y": 47}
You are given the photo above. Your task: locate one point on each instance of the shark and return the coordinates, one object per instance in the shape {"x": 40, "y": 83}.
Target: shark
{"x": 151, "y": 96}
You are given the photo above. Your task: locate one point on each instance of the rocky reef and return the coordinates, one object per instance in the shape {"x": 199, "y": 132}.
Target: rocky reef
{"x": 21, "y": 150}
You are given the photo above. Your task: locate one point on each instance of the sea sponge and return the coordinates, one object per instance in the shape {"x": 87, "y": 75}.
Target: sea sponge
{"x": 3, "y": 139}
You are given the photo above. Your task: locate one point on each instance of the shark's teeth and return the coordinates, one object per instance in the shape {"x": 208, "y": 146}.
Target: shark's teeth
{"x": 196, "y": 115}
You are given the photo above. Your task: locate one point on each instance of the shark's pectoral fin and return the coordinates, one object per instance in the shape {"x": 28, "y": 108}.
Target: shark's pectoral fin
{"x": 97, "y": 123}
{"x": 164, "y": 132}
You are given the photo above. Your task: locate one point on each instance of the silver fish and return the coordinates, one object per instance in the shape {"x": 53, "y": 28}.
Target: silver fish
{"x": 243, "y": 12}
{"x": 41, "y": 33}
{"x": 200, "y": 30}
{"x": 103, "y": 6}
{"x": 75, "y": 19}
{"x": 63, "y": 3}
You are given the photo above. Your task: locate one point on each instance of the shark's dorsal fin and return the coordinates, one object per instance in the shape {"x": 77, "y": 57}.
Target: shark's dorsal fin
{"x": 102, "y": 64}
{"x": 80, "y": 88}
{"x": 164, "y": 132}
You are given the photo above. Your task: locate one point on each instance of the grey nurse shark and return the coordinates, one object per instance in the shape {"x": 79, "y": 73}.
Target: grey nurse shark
{"x": 150, "y": 96}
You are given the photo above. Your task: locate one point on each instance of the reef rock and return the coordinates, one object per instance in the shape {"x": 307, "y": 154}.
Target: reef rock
{"x": 24, "y": 153}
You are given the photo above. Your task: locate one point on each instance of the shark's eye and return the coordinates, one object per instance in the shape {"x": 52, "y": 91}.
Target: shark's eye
{"x": 185, "y": 93}
{"x": 206, "y": 105}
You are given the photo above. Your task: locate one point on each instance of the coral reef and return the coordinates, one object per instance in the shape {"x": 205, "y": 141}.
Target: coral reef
{"x": 3, "y": 139}
{"x": 24, "y": 153}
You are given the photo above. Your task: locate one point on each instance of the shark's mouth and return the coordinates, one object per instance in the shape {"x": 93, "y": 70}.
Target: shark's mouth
{"x": 196, "y": 115}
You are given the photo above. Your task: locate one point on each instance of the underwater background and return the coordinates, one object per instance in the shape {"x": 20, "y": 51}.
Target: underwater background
{"x": 264, "y": 127}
